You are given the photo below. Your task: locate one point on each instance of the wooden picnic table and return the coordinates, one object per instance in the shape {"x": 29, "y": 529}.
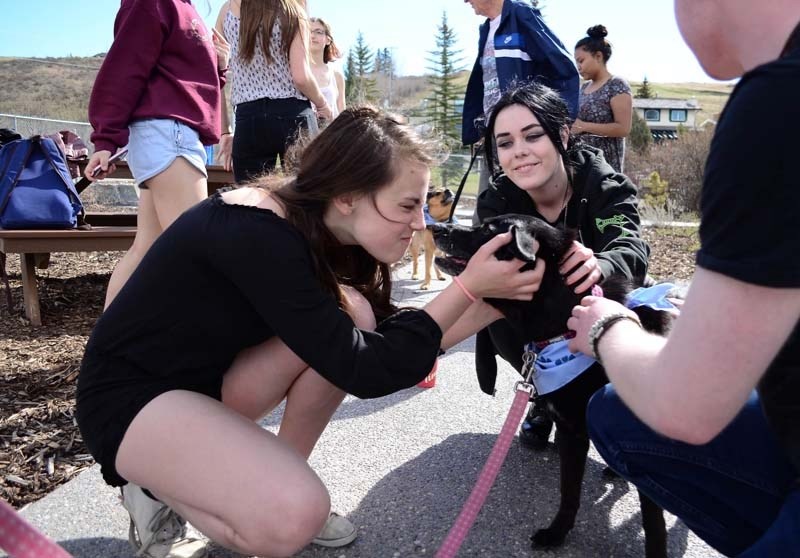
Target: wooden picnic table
{"x": 109, "y": 232}
{"x": 218, "y": 178}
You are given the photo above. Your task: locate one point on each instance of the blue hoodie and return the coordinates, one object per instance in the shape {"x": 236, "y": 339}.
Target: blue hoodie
{"x": 525, "y": 50}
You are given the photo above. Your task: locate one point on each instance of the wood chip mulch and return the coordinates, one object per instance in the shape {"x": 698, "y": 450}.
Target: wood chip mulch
{"x": 40, "y": 445}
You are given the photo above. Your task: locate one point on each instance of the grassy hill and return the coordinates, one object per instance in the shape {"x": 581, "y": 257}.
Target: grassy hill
{"x": 56, "y": 88}
{"x": 59, "y": 88}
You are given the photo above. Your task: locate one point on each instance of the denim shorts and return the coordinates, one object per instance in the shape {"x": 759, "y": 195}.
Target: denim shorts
{"x": 154, "y": 143}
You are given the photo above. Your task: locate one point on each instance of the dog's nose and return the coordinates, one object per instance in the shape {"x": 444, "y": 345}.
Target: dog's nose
{"x": 439, "y": 229}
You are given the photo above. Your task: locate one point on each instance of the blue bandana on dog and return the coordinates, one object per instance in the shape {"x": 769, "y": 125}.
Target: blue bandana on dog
{"x": 430, "y": 220}
{"x": 555, "y": 367}
{"x": 654, "y": 297}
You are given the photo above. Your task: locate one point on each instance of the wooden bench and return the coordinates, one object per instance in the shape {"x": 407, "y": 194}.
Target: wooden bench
{"x": 109, "y": 232}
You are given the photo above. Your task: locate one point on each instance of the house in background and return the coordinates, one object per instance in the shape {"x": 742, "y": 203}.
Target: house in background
{"x": 663, "y": 116}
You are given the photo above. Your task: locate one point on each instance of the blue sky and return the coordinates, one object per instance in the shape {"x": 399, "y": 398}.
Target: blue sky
{"x": 644, "y": 34}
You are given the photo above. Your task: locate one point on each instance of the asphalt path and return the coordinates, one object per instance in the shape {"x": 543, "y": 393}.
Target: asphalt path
{"x": 400, "y": 468}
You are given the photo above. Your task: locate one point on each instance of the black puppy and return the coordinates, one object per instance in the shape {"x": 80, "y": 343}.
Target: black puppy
{"x": 539, "y": 321}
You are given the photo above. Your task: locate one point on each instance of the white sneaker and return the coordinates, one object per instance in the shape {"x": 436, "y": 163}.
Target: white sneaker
{"x": 338, "y": 531}
{"x": 155, "y": 530}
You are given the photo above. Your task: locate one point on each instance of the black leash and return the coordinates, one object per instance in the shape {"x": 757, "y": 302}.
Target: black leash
{"x": 477, "y": 151}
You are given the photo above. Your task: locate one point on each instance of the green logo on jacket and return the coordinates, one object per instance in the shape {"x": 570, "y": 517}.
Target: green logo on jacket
{"x": 618, "y": 220}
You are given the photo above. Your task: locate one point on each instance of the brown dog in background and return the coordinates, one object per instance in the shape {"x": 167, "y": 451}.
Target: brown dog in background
{"x": 439, "y": 203}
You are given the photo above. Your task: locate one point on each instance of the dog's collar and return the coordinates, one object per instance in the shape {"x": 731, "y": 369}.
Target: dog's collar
{"x": 538, "y": 346}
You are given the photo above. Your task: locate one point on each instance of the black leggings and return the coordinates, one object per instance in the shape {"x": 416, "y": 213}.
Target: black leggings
{"x": 265, "y": 128}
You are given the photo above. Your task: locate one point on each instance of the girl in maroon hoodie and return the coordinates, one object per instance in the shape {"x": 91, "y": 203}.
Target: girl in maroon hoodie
{"x": 158, "y": 92}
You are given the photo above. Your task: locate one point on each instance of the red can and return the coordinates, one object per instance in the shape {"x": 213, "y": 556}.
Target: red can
{"x": 430, "y": 379}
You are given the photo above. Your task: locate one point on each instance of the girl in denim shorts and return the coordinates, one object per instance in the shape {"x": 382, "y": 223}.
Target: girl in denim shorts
{"x": 147, "y": 96}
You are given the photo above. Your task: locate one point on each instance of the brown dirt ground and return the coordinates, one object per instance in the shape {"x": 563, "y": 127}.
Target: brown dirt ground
{"x": 40, "y": 445}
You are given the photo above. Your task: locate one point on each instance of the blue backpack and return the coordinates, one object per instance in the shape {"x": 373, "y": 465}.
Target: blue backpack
{"x": 36, "y": 189}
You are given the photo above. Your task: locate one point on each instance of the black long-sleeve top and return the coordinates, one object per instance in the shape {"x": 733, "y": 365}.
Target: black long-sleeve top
{"x": 226, "y": 277}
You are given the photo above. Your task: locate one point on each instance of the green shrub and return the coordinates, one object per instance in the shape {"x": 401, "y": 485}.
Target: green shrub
{"x": 655, "y": 190}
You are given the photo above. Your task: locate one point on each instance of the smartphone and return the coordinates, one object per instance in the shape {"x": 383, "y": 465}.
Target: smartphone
{"x": 115, "y": 157}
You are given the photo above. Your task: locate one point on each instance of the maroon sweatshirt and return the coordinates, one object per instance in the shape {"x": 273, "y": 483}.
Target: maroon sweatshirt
{"x": 162, "y": 64}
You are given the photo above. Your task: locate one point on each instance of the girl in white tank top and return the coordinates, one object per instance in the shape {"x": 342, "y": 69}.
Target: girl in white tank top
{"x": 323, "y": 50}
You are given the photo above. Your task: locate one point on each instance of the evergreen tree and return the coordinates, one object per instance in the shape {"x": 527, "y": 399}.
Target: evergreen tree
{"x": 640, "y": 137}
{"x": 379, "y": 63}
{"x": 645, "y": 91}
{"x": 349, "y": 75}
{"x": 363, "y": 89}
{"x": 442, "y": 112}
{"x": 388, "y": 63}
{"x": 383, "y": 63}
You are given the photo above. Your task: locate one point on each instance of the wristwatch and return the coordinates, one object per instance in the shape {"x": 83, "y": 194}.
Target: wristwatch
{"x": 602, "y": 325}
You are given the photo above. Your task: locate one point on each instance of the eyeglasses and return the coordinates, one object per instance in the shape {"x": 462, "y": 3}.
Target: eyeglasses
{"x": 320, "y": 32}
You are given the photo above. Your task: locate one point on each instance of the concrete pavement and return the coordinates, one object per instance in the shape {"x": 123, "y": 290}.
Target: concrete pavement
{"x": 400, "y": 468}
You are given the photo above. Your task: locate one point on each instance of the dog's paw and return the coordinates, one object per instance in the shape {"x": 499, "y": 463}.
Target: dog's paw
{"x": 548, "y": 538}
{"x": 440, "y": 278}
{"x": 425, "y": 287}
{"x": 415, "y": 276}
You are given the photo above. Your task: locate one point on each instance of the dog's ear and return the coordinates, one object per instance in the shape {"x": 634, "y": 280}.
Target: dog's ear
{"x": 431, "y": 193}
{"x": 523, "y": 244}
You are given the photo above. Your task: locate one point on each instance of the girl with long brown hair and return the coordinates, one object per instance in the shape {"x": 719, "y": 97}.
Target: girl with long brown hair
{"x": 273, "y": 86}
{"x": 262, "y": 294}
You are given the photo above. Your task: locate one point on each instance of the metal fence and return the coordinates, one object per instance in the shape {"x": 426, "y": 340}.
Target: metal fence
{"x": 27, "y": 126}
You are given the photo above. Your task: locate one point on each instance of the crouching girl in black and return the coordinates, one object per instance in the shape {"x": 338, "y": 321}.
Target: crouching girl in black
{"x": 254, "y": 296}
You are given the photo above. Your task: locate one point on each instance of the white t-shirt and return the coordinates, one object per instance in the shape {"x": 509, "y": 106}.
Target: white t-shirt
{"x": 491, "y": 83}
{"x": 331, "y": 91}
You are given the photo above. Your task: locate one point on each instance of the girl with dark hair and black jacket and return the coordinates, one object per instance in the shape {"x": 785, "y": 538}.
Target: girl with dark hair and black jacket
{"x": 539, "y": 169}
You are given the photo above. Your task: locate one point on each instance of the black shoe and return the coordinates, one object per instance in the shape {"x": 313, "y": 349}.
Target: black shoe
{"x": 535, "y": 430}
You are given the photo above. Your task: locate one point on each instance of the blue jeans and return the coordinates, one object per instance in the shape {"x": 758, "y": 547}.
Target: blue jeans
{"x": 265, "y": 128}
{"x": 739, "y": 492}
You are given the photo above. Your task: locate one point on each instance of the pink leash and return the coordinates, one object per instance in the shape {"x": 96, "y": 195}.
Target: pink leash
{"x": 458, "y": 532}
{"x": 21, "y": 540}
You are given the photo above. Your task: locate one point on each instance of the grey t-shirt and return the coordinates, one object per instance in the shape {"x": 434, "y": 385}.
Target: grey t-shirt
{"x": 491, "y": 83}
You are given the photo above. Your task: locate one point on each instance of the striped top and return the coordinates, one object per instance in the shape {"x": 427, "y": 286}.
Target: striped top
{"x": 258, "y": 79}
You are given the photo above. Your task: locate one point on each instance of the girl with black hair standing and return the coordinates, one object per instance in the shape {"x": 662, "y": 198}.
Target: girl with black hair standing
{"x": 605, "y": 102}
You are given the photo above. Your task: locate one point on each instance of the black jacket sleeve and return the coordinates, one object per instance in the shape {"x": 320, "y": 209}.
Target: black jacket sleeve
{"x": 608, "y": 217}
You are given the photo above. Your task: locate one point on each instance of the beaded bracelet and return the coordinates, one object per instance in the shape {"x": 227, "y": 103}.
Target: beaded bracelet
{"x": 602, "y": 325}
{"x": 468, "y": 294}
